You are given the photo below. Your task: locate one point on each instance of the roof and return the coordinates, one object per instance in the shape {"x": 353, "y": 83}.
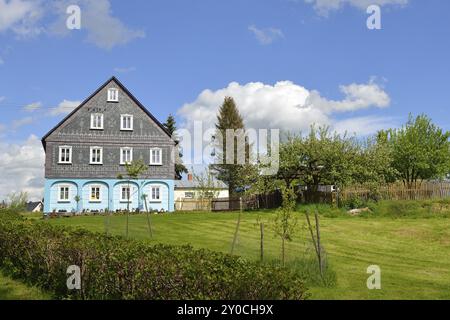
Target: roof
{"x": 113, "y": 78}
{"x": 186, "y": 184}
{"x": 32, "y": 205}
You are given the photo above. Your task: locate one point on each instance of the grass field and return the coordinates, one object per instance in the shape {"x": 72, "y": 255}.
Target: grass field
{"x": 413, "y": 253}
{"x": 15, "y": 290}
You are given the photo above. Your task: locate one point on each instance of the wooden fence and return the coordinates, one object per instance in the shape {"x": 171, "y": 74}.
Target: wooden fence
{"x": 398, "y": 191}
{"x": 253, "y": 202}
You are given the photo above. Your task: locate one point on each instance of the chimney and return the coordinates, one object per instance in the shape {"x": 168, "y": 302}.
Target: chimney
{"x": 189, "y": 176}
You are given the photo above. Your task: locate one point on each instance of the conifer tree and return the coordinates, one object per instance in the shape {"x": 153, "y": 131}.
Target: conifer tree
{"x": 171, "y": 127}
{"x": 234, "y": 174}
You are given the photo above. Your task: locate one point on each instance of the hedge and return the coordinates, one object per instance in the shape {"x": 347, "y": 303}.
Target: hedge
{"x": 115, "y": 268}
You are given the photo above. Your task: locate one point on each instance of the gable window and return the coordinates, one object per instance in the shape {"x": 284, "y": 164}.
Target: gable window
{"x": 155, "y": 194}
{"x": 65, "y": 154}
{"x": 126, "y": 122}
{"x": 126, "y": 155}
{"x": 97, "y": 121}
{"x": 96, "y": 155}
{"x": 63, "y": 194}
{"x": 95, "y": 194}
{"x": 113, "y": 95}
{"x": 125, "y": 194}
{"x": 155, "y": 156}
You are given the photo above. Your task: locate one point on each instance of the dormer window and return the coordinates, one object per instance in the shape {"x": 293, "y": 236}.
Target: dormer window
{"x": 97, "y": 121}
{"x": 126, "y": 122}
{"x": 113, "y": 95}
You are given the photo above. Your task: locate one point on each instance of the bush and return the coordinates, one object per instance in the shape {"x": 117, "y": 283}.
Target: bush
{"x": 115, "y": 268}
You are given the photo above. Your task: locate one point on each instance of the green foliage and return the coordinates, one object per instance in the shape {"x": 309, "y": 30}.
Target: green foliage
{"x": 234, "y": 174}
{"x": 420, "y": 150}
{"x": 18, "y": 200}
{"x": 326, "y": 158}
{"x": 171, "y": 127}
{"x": 113, "y": 268}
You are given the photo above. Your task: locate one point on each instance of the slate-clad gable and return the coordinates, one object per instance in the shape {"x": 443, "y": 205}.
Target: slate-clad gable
{"x": 75, "y": 131}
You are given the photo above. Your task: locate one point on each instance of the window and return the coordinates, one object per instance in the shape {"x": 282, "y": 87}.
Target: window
{"x": 65, "y": 154}
{"x": 189, "y": 195}
{"x": 155, "y": 194}
{"x": 155, "y": 156}
{"x": 97, "y": 121}
{"x": 63, "y": 195}
{"x": 96, "y": 155}
{"x": 126, "y": 122}
{"x": 125, "y": 194}
{"x": 126, "y": 155}
{"x": 95, "y": 194}
{"x": 113, "y": 95}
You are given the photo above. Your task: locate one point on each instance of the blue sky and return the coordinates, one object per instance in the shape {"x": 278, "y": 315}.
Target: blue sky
{"x": 168, "y": 52}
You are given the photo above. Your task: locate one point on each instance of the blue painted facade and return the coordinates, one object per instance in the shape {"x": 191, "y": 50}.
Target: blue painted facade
{"x": 110, "y": 195}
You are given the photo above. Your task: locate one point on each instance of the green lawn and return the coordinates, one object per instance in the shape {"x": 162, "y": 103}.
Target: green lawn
{"x": 15, "y": 290}
{"x": 413, "y": 254}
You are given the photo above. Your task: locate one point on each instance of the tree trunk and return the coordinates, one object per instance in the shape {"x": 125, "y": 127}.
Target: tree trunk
{"x": 261, "y": 226}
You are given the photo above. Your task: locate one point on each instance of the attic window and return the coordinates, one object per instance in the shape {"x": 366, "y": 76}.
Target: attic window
{"x": 113, "y": 95}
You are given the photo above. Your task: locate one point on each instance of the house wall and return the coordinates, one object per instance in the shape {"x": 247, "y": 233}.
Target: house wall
{"x": 110, "y": 195}
{"x": 76, "y": 132}
{"x": 180, "y": 193}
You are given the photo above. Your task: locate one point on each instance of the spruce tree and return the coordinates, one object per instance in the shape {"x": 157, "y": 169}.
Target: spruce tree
{"x": 171, "y": 127}
{"x": 234, "y": 175}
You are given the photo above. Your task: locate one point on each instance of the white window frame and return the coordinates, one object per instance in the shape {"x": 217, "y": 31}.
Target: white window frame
{"x": 60, "y": 186}
{"x": 113, "y": 95}
{"x": 99, "y": 193}
{"x": 160, "y": 157}
{"x": 91, "y": 149}
{"x": 70, "y": 154}
{"x": 122, "y": 160}
{"x": 122, "y": 116}
{"x": 93, "y": 116}
{"x": 121, "y": 194}
{"x": 153, "y": 199}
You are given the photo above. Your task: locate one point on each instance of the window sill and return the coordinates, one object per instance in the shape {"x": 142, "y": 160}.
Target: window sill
{"x": 155, "y": 164}
{"x": 114, "y": 101}
{"x": 63, "y": 201}
{"x": 96, "y": 128}
{"x": 155, "y": 201}
{"x": 95, "y": 201}
{"x": 64, "y": 162}
{"x": 96, "y": 164}
{"x": 126, "y": 129}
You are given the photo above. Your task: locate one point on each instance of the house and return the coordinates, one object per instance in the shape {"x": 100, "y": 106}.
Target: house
{"x": 37, "y": 206}
{"x": 88, "y": 149}
{"x": 190, "y": 189}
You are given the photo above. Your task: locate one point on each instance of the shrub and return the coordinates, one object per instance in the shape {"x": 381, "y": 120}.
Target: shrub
{"x": 115, "y": 268}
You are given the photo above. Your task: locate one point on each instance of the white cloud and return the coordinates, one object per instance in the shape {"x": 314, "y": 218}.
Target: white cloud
{"x": 31, "y": 18}
{"x": 16, "y": 124}
{"x": 125, "y": 69}
{"x": 2, "y": 98}
{"x": 22, "y": 168}
{"x": 357, "y": 96}
{"x": 2, "y": 61}
{"x": 64, "y": 107}
{"x": 323, "y": 7}
{"x": 20, "y": 16}
{"x": 285, "y": 105}
{"x": 102, "y": 28}
{"x": 33, "y": 106}
{"x": 266, "y": 36}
